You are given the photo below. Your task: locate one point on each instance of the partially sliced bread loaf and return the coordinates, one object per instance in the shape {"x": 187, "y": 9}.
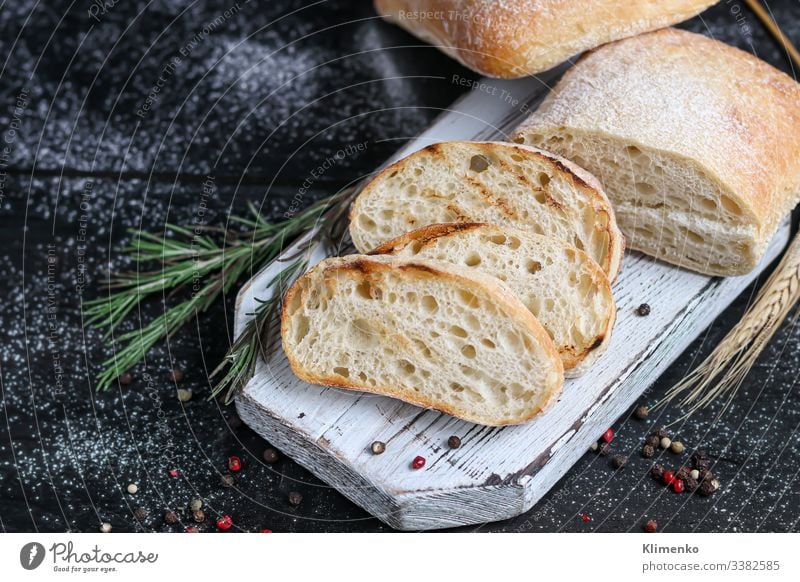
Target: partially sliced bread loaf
{"x": 563, "y": 287}
{"x": 428, "y": 333}
{"x": 490, "y": 182}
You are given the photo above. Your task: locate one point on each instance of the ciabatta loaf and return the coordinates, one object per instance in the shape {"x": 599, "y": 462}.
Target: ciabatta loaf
{"x": 696, "y": 143}
{"x": 428, "y": 333}
{"x": 489, "y": 182}
{"x": 563, "y": 287}
{"x": 516, "y": 38}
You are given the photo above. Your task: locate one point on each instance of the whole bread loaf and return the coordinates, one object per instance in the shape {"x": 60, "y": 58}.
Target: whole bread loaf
{"x": 561, "y": 286}
{"x": 428, "y": 333}
{"x": 517, "y": 38}
{"x": 489, "y": 182}
{"x": 696, "y": 143}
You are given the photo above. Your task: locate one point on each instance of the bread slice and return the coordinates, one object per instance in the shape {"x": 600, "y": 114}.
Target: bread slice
{"x": 489, "y": 182}
{"x": 428, "y": 333}
{"x": 518, "y": 38}
{"x": 561, "y": 286}
{"x": 696, "y": 143}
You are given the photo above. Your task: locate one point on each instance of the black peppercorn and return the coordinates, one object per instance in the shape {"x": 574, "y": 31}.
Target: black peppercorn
{"x": 454, "y": 442}
{"x": 682, "y": 473}
{"x": 643, "y": 310}
{"x": 641, "y": 412}
{"x": 653, "y": 441}
{"x": 603, "y": 449}
{"x": 125, "y": 378}
{"x": 170, "y": 517}
{"x": 691, "y": 484}
{"x": 378, "y": 447}
{"x": 705, "y": 474}
{"x": 295, "y": 498}
{"x": 227, "y": 480}
{"x": 706, "y": 488}
{"x": 270, "y": 455}
{"x": 648, "y": 451}
{"x": 619, "y": 461}
{"x": 657, "y": 472}
{"x": 140, "y": 513}
{"x": 702, "y": 464}
{"x": 198, "y": 516}
{"x": 660, "y": 432}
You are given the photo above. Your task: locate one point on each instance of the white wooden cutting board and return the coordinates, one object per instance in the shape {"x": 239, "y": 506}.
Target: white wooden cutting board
{"x": 497, "y": 473}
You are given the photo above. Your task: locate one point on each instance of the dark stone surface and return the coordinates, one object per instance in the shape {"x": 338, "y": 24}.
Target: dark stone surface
{"x": 258, "y": 101}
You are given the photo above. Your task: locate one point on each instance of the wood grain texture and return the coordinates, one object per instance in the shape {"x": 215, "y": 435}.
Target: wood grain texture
{"x": 498, "y": 472}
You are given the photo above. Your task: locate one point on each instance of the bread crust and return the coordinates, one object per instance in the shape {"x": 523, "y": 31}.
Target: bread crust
{"x": 718, "y": 108}
{"x": 577, "y": 176}
{"x": 575, "y": 363}
{"x": 362, "y": 268}
{"x": 517, "y": 38}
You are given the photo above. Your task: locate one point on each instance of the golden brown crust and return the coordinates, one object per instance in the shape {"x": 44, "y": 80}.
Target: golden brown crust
{"x": 363, "y": 266}
{"x": 517, "y": 38}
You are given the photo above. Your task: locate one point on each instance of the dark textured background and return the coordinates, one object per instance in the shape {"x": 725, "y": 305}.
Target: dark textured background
{"x": 258, "y": 101}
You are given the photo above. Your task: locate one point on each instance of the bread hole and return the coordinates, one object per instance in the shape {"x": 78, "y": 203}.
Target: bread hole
{"x": 362, "y": 333}
{"x": 406, "y": 367}
{"x": 633, "y": 151}
{"x": 587, "y": 284}
{"x": 392, "y": 297}
{"x": 362, "y": 376}
{"x": 487, "y": 343}
{"x": 694, "y": 237}
{"x": 708, "y": 204}
{"x": 413, "y": 190}
{"x": 516, "y": 389}
{"x": 387, "y": 214}
{"x": 423, "y": 348}
{"x": 532, "y": 266}
{"x": 313, "y": 300}
{"x": 514, "y": 243}
{"x": 343, "y": 372}
{"x": 479, "y": 163}
{"x": 472, "y": 321}
{"x": 415, "y": 247}
{"x": 498, "y": 239}
{"x": 729, "y": 205}
{"x": 456, "y": 387}
{"x": 468, "y": 351}
{"x": 458, "y": 331}
{"x": 468, "y": 298}
{"x": 366, "y": 222}
{"x": 417, "y": 171}
{"x": 366, "y": 290}
{"x": 519, "y": 139}
{"x": 393, "y": 174}
{"x": 517, "y": 158}
{"x": 543, "y": 179}
{"x": 644, "y": 189}
{"x": 473, "y": 259}
{"x": 430, "y": 304}
{"x": 301, "y": 326}
{"x": 411, "y": 297}
{"x": 578, "y": 243}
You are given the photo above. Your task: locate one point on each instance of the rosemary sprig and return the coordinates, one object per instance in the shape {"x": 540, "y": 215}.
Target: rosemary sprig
{"x": 210, "y": 260}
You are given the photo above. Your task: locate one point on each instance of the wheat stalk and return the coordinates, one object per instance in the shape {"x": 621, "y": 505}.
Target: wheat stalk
{"x": 738, "y": 352}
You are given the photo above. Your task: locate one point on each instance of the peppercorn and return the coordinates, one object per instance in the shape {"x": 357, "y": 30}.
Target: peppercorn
{"x": 105, "y": 527}
{"x": 651, "y": 526}
{"x": 270, "y": 455}
{"x": 234, "y": 463}
{"x": 665, "y": 443}
{"x": 691, "y": 483}
{"x": 227, "y": 480}
{"x": 643, "y": 310}
{"x": 653, "y": 440}
{"x": 702, "y": 464}
{"x": 715, "y": 483}
{"x": 619, "y": 461}
{"x": 418, "y": 462}
{"x": 184, "y": 395}
{"x": 170, "y": 517}
{"x": 192, "y": 529}
{"x": 125, "y": 378}
{"x": 694, "y": 474}
{"x": 140, "y": 513}
{"x": 603, "y": 449}
{"x": 198, "y": 516}
{"x": 660, "y": 432}
{"x": 196, "y": 504}
{"x": 657, "y": 472}
{"x": 608, "y": 436}
{"x": 133, "y": 488}
{"x": 676, "y": 447}
{"x": 641, "y": 412}
{"x": 677, "y": 485}
{"x": 454, "y": 442}
{"x": 295, "y": 498}
{"x": 682, "y": 473}
{"x": 706, "y": 489}
{"x": 668, "y": 477}
{"x": 648, "y": 451}
{"x": 706, "y": 475}
{"x": 224, "y": 523}
{"x": 176, "y": 375}
{"x": 593, "y": 447}
{"x": 378, "y": 448}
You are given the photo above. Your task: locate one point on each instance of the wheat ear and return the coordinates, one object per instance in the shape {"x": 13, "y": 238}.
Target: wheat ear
{"x": 737, "y": 353}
